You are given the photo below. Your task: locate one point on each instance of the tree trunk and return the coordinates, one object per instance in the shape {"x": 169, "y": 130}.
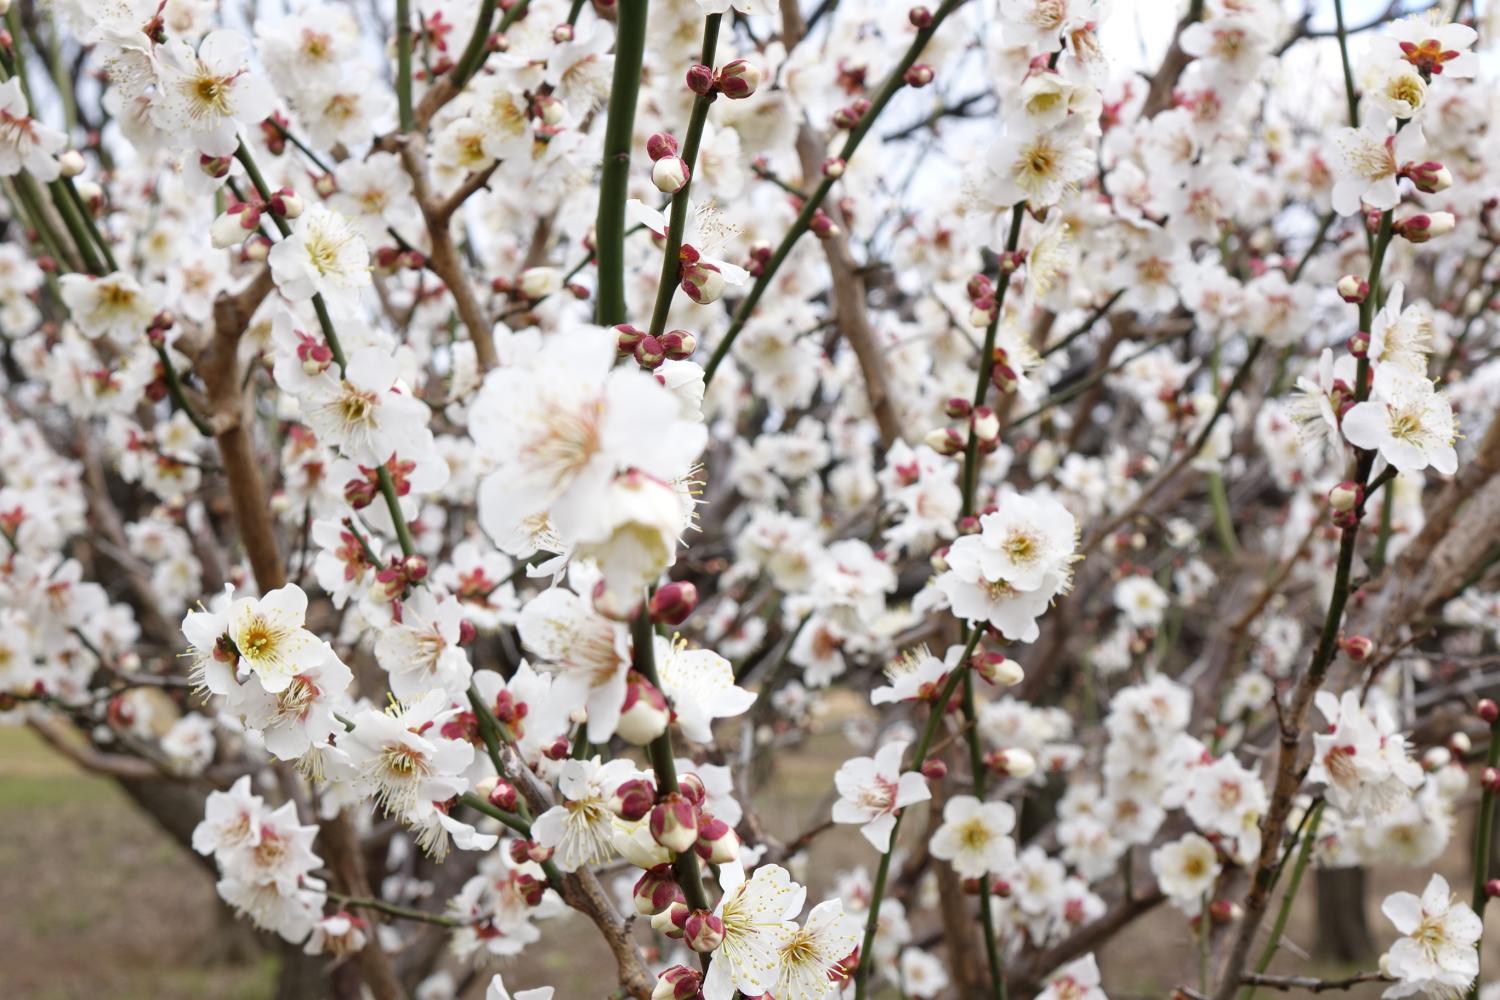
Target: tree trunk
{"x": 1343, "y": 933}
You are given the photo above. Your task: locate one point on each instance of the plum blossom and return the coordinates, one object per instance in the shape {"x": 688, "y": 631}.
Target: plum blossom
{"x": 872, "y": 790}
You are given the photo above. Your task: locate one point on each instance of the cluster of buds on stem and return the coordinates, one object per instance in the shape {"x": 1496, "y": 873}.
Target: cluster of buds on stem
{"x": 850, "y": 115}
{"x": 392, "y": 580}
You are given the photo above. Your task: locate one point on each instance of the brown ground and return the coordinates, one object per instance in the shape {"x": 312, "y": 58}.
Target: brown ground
{"x": 99, "y": 903}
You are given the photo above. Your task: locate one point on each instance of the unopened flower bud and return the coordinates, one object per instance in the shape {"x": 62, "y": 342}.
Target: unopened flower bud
{"x": 1424, "y": 226}
{"x": 503, "y": 796}
{"x": 700, "y": 79}
{"x": 919, "y": 75}
{"x": 945, "y": 441}
{"x": 286, "y": 203}
{"x": 650, "y": 353}
{"x": 1436, "y": 758}
{"x": 71, "y": 163}
{"x": 997, "y": 669}
{"x": 678, "y": 983}
{"x": 822, "y": 225}
{"x": 1489, "y": 780}
{"x": 1015, "y": 762}
{"x": 679, "y": 344}
{"x": 958, "y": 408}
{"x": 1353, "y": 289}
{"x": 563, "y": 33}
{"x": 644, "y": 715}
{"x": 674, "y": 823}
{"x": 415, "y": 567}
{"x": 692, "y": 788}
{"x": 627, "y": 337}
{"x": 1358, "y": 647}
{"x": 539, "y": 282}
{"x": 703, "y": 283}
{"x": 1359, "y": 344}
{"x": 655, "y": 890}
{"x": 1428, "y": 176}
{"x": 1224, "y": 911}
{"x": 1346, "y": 496}
{"x": 670, "y": 920}
{"x": 1492, "y": 888}
{"x": 919, "y": 18}
{"x": 661, "y": 144}
{"x": 1487, "y": 711}
{"x": 738, "y": 79}
{"x": 216, "y": 167}
{"x": 934, "y": 770}
{"x": 702, "y": 931}
{"x": 1459, "y": 744}
{"x": 673, "y": 602}
{"x": 833, "y": 167}
{"x": 718, "y": 844}
{"x": 985, "y": 423}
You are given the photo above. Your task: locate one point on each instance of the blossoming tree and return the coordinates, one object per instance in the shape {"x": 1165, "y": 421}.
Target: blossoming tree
{"x": 454, "y": 455}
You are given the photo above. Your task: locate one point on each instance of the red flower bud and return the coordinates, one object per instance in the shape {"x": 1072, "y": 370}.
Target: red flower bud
{"x": 661, "y": 144}
{"x": 672, "y": 603}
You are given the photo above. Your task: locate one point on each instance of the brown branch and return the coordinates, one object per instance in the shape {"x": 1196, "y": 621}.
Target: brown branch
{"x": 444, "y": 260}
{"x": 1311, "y": 984}
{"x": 60, "y": 738}
{"x": 849, "y": 301}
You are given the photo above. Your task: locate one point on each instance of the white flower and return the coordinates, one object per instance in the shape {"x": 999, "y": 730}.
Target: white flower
{"x": 1365, "y": 164}
{"x": 1407, "y": 420}
{"x": 1436, "y": 955}
{"x": 1141, "y": 600}
{"x": 421, "y": 651}
{"x": 975, "y": 836}
{"x": 1078, "y": 980}
{"x": 581, "y": 830}
{"x": 1041, "y": 167}
{"x": 872, "y": 790}
{"x": 700, "y": 684}
{"x": 204, "y": 98}
{"x": 757, "y": 915}
{"x": 922, "y": 975}
{"x": 563, "y": 426}
{"x": 1026, "y": 541}
{"x": 1401, "y": 337}
{"x": 114, "y": 306}
{"x": 1361, "y": 757}
{"x": 975, "y": 599}
{"x": 364, "y": 413}
{"x": 588, "y": 654}
{"x": 634, "y": 539}
{"x": 810, "y": 953}
{"x": 324, "y": 255}
{"x": 25, "y": 143}
{"x": 268, "y": 634}
{"x": 301, "y": 715}
{"x": 403, "y": 759}
{"x": 1186, "y": 870}
{"x": 1440, "y": 49}
{"x": 497, "y": 991}
{"x": 231, "y": 820}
